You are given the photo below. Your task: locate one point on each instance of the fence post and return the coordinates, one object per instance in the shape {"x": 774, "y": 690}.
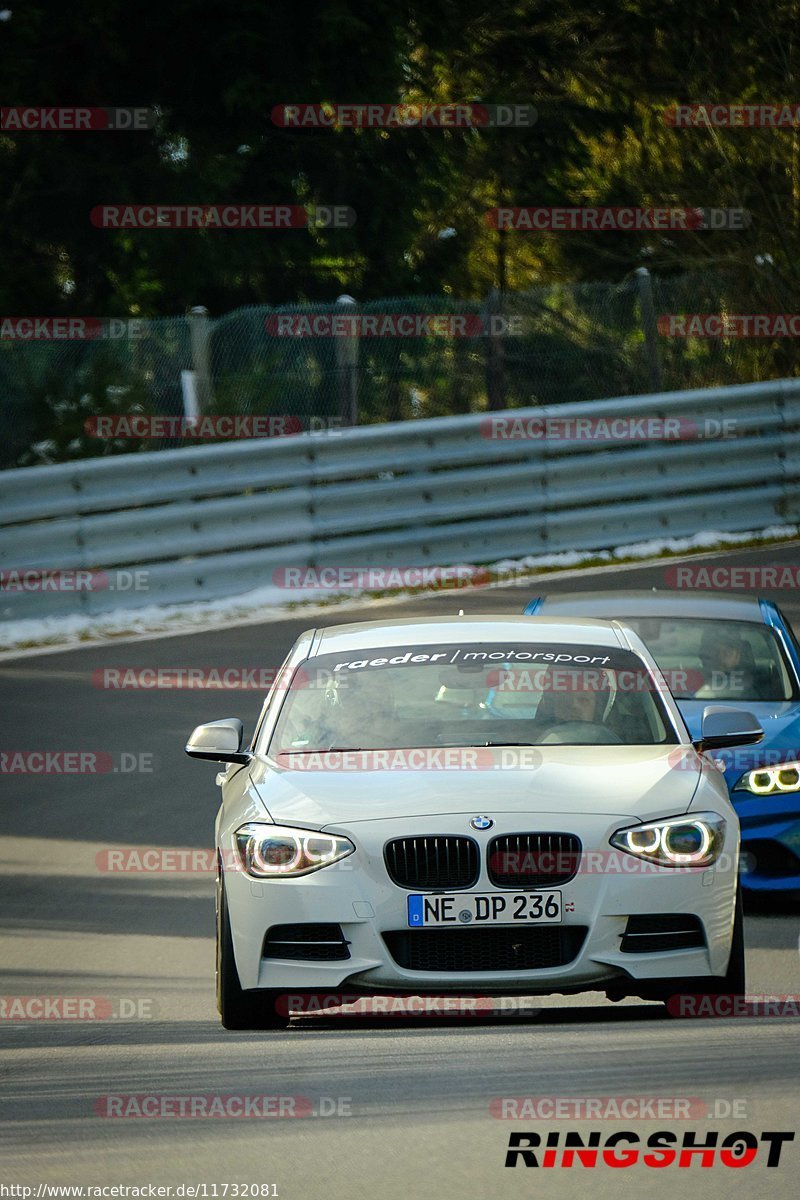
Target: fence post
{"x": 346, "y": 349}
{"x": 199, "y": 338}
{"x": 495, "y": 353}
{"x": 650, "y": 328}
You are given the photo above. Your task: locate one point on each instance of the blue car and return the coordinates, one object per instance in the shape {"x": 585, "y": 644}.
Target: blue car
{"x": 736, "y": 650}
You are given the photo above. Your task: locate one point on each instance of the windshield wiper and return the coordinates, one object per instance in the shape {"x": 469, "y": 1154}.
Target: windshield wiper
{"x": 380, "y": 749}
{"x": 509, "y": 743}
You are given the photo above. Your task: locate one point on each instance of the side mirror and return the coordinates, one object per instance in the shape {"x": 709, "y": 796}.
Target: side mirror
{"x": 723, "y": 727}
{"x": 220, "y": 741}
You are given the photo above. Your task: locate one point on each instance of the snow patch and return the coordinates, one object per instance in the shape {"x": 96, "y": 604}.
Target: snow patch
{"x": 260, "y": 604}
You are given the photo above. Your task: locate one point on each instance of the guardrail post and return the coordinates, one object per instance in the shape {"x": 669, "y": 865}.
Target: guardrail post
{"x": 199, "y": 337}
{"x": 347, "y": 368}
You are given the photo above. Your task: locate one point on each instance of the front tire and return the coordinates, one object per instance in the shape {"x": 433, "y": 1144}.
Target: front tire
{"x": 240, "y": 1009}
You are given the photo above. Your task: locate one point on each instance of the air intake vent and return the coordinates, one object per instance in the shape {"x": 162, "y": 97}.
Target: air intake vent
{"x": 307, "y": 942}
{"x": 485, "y": 949}
{"x": 432, "y": 862}
{"x": 653, "y": 933}
{"x": 533, "y": 860}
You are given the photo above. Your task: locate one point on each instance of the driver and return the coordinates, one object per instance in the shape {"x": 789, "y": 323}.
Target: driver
{"x": 575, "y": 696}
{"x": 351, "y": 712}
{"x": 726, "y": 665}
{"x": 359, "y": 711}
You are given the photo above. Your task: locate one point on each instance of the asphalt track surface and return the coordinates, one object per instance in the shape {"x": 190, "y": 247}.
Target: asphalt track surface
{"x": 411, "y": 1095}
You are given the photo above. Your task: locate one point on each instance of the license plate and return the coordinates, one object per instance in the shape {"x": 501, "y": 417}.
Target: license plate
{"x": 484, "y": 908}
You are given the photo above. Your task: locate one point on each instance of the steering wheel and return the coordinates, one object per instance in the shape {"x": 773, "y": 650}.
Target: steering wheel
{"x": 584, "y": 733}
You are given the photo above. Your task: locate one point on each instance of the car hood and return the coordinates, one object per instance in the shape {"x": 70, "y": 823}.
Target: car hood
{"x": 780, "y": 721}
{"x": 630, "y": 781}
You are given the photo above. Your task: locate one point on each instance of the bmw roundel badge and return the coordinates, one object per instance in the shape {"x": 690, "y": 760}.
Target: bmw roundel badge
{"x": 481, "y": 822}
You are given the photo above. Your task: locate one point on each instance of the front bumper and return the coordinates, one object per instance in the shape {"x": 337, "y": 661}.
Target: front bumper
{"x": 358, "y": 894}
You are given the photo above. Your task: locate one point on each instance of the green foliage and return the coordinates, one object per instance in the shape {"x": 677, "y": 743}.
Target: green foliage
{"x": 600, "y": 75}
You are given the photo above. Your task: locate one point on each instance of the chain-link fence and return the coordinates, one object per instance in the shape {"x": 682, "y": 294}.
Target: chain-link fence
{"x": 385, "y": 360}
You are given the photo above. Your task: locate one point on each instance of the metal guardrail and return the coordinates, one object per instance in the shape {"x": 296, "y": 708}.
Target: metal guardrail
{"x": 217, "y": 520}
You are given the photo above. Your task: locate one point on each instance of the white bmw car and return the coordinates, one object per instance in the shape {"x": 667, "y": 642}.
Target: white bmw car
{"x": 390, "y": 829}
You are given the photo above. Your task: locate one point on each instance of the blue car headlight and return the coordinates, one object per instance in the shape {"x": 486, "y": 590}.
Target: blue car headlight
{"x": 770, "y": 781}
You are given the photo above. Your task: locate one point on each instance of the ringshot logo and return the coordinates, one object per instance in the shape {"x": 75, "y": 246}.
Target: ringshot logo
{"x": 664, "y": 1148}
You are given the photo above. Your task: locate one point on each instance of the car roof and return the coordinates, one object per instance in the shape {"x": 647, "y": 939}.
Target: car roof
{"x": 653, "y": 603}
{"x": 496, "y": 628}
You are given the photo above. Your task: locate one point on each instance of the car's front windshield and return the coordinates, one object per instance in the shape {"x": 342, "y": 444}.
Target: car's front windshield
{"x": 399, "y": 697}
{"x": 716, "y": 659}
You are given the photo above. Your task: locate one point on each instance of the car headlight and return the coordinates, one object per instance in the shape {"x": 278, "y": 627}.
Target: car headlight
{"x": 687, "y": 841}
{"x": 769, "y": 781}
{"x": 277, "y": 851}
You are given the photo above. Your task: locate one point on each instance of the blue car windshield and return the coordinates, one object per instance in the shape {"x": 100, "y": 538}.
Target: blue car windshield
{"x": 716, "y": 659}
